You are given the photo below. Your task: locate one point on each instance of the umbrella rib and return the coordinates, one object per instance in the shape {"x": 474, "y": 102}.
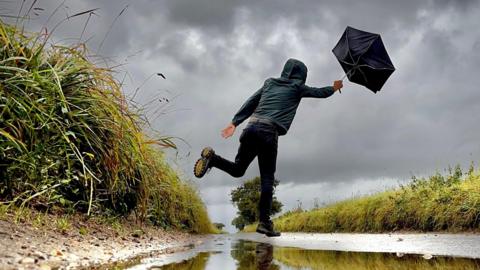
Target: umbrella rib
{"x": 351, "y": 71}
{"x": 345, "y": 62}
{"x": 365, "y": 65}
{"x": 363, "y": 74}
{"x": 348, "y": 73}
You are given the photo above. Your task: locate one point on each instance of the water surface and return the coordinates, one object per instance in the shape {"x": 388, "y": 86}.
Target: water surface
{"x": 233, "y": 252}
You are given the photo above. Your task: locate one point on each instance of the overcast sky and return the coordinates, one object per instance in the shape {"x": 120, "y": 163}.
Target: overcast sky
{"x": 216, "y": 53}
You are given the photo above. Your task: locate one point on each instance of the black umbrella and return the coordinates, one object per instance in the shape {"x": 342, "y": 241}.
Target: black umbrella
{"x": 364, "y": 58}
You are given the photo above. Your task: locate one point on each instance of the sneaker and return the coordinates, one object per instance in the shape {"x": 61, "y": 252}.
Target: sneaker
{"x": 203, "y": 164}
{"x": 267, "y": 229}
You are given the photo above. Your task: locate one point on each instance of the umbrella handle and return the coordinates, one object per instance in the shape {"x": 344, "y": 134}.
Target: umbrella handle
{"x": 340, "y": 90}
{"x": 341, "y": 79}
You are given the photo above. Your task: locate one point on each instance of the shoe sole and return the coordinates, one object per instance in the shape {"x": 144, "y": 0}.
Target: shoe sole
{"x": 267, "y": 233}
{"x": 201, "y": 166}
{"x": 207, "y": 152}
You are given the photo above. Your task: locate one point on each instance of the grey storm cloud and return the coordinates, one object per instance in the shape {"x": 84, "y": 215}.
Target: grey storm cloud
{"x": 216, "y": 53}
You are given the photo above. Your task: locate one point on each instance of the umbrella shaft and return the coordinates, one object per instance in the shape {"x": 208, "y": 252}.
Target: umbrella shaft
{"x": 348, "y": 73}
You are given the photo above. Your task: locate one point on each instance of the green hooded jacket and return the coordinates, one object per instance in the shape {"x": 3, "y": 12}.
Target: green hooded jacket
{"x": 278, "y": 99}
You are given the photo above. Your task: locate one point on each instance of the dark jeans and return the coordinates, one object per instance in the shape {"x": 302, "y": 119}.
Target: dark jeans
{"x": 257, "y": 139}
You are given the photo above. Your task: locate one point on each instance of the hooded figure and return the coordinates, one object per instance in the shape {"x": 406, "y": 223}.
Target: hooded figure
{"x": 271, "y": 110}
{"x": 279, "y": 98}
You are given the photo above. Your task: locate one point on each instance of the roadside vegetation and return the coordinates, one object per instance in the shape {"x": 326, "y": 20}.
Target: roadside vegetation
{"x": 70, "y": 141}
{"x": 449, "y": 202}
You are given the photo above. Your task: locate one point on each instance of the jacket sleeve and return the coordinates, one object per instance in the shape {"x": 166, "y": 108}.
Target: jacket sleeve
{"x": 247, "y": 108}
{"x": 315, "y": 92}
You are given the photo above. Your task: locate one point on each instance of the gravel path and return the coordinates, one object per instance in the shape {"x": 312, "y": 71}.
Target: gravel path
{"x": 22, "y": 246}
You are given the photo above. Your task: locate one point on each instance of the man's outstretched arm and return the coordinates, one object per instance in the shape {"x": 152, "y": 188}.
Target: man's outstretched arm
{"x": 322, "y": 92}
{"x": 245, "y": 111}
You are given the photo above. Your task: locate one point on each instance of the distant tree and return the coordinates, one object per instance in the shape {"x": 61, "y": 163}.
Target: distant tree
{"x": 219, "y": 226}
{"x": 239, "y": 222}
{"x": 246, "y": 198}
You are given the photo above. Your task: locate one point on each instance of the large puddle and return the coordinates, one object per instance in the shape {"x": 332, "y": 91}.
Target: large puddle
{"x": 233, "y": 253}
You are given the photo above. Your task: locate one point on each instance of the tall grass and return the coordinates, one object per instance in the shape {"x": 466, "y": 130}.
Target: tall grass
{"x": 448, "y": 202}
{"x": 69, "y": 138}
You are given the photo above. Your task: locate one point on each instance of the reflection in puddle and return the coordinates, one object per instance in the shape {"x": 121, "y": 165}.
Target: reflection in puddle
{"x": 251, "y": 255}
{"x": 198, "y": 262}
{"x": 314, "y": 259}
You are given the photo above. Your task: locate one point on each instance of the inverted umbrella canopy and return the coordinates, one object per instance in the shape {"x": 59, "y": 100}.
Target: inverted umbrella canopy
{"x": 364, "y": 58}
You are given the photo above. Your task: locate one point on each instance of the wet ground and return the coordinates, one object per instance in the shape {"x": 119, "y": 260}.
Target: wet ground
{"x": 24, "y": 246}
{"x": 324, "y": 251}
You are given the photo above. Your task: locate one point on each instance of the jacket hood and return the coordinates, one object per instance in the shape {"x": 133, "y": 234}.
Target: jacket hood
{"x": 295, "y": 69}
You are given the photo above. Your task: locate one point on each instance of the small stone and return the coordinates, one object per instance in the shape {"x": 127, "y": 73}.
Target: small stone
{"x": 39, "y": 255}
{"x": 44, "y": 267}
{"x": 23, "y": 247}
{"x": 56, "y": 252}
{"x": 73, "y": 257}
{"x": 427, "y": 256}
{"x": 399, "y": 239}
{"x": 27, "y": 260}
{"x": 54, "y": 260}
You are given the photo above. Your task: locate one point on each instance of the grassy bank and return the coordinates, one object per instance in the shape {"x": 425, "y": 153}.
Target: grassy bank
{"x": 69, "y": 141}
{"x": 448, "y": 202}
